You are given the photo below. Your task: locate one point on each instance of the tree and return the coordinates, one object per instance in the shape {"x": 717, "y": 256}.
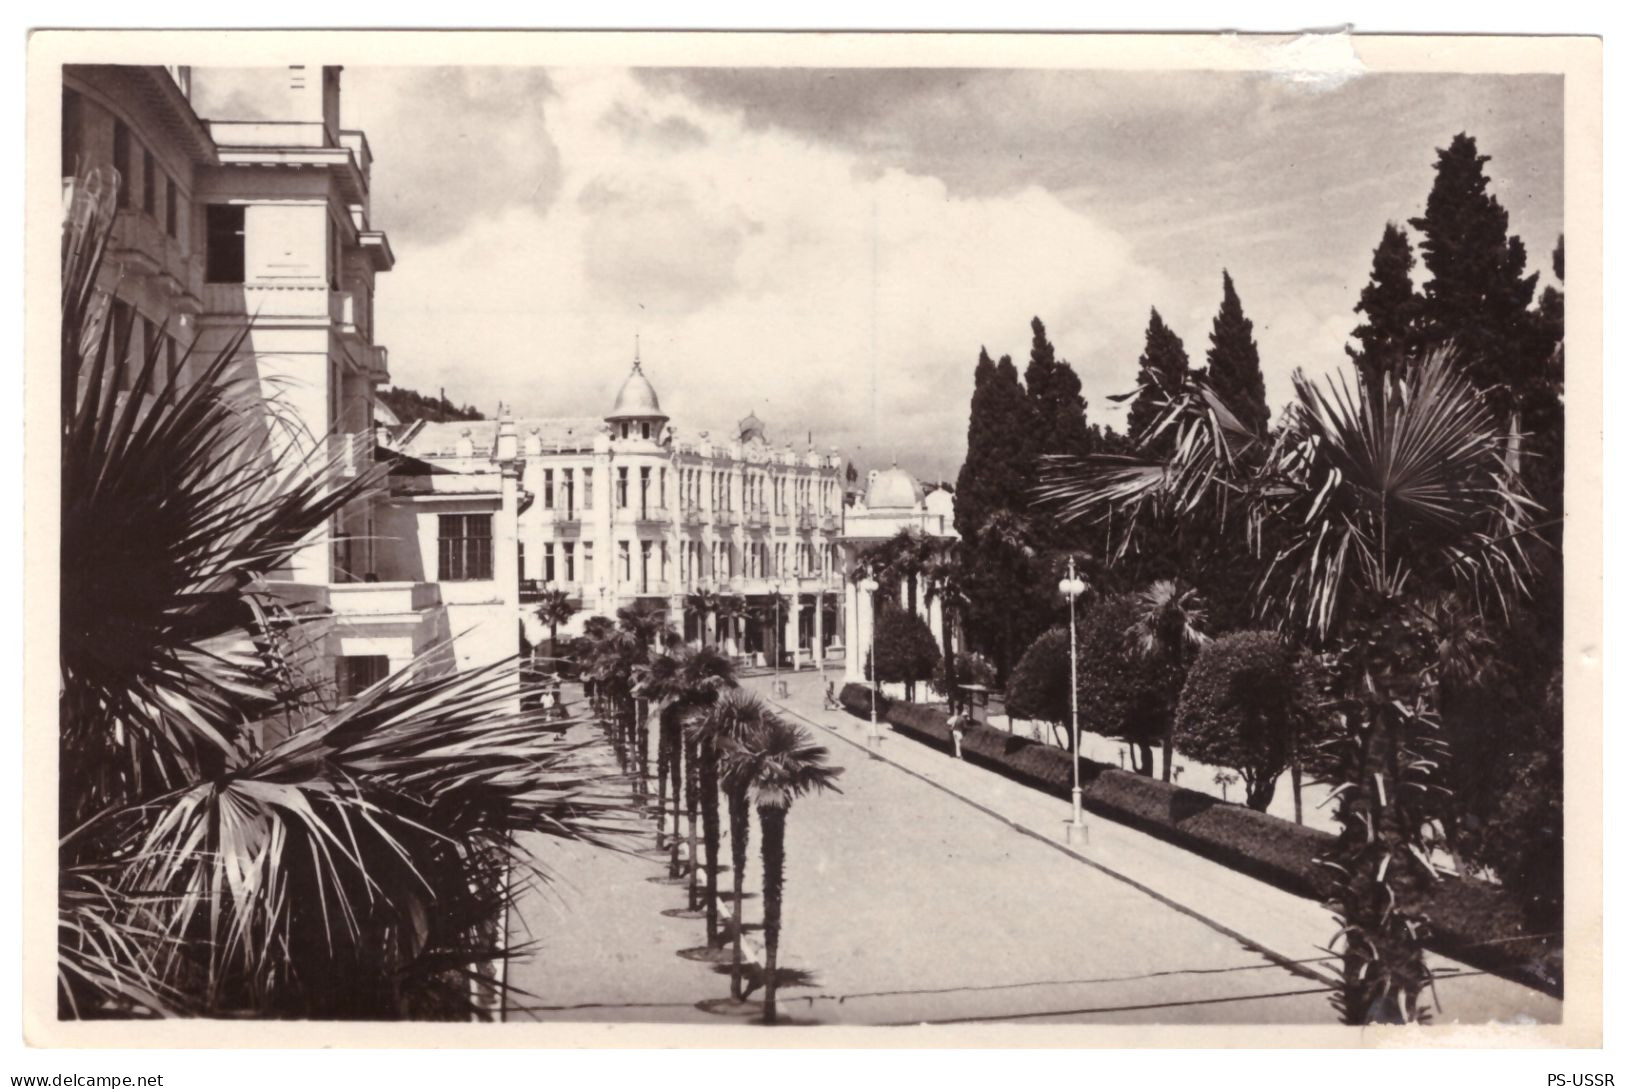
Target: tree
{"x": 1055, "y": 397}
{"x": 1372, "y": 498}
{"x": 1388, "y": 337}
{"x": 779, "y": 763}
{"x": 999, "y": 455}
{"x": 728, "y": 726}
{"x": 1167, "y": 628}
{"x": 555, "y": 608}
{"x": 946, "y": 583}
{"x": 230, "y": 847}
{"x": 686, "y": 681}
{"x": 1040, "y": 686}
{"x": 1232, "y": 361}
{"x": 1242, "y": 707}
{"x": 1121, "y": 692}
{"x": 647, "y": 623}
{"x": 900, "y": 561}
{"x": 905, "y": 648}
{"x": 1163, "y": 369}
{"x": 1002, "y": 585}
{"x": 1477, "y": 297}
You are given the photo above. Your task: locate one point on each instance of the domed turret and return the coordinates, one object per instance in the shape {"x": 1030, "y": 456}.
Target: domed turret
{"x": 893, "y": 489}
{"x": 637, "y": 408}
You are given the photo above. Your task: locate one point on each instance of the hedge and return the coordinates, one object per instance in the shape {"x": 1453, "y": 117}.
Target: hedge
{"x": 1473, "y": 921}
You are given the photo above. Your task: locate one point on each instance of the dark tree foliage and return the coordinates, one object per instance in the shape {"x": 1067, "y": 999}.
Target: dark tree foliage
{"x": 1388, "y": 336}
{"x": 999, "y": 452}
{"x": 1241, "y": 708}
{"x": 1055, "y": 395}
{"x": 1232, "y": 361}
{"x": 1478, "y": 294}
{"x": 905, "y": 648}
{"x": 1122, "y": 694}
{"x": 1041, "y": 684}
{"x": 409, "y": 405}
{"x": 1164, "y": 365}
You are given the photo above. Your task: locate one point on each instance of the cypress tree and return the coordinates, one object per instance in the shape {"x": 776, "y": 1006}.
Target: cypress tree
{"x": 1163, "y": 369}
{"x": 1478, "y": 296}
{"x": 1056, "y": 398}
{"x": 998, "y": 467}
{"x": 1391, "y": 307}
{"x": 1232, "y": 362}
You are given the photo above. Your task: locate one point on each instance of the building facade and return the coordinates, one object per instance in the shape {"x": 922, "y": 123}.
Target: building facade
{"x": 261, "y": 228}
{"x": 734, "y": 536}
{"x": 893, "y": 502}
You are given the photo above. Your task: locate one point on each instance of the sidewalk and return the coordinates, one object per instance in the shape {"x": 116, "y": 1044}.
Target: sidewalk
{"x": 1283, "y": 928}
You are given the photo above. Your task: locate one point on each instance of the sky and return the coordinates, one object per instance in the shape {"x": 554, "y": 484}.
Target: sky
{"x": 831, "y": 248}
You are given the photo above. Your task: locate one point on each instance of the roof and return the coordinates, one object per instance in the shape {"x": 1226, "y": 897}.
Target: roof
{"x": 637, "y": 397}
{"x": 893, "y": 489}
{"x": 440, "y": 438}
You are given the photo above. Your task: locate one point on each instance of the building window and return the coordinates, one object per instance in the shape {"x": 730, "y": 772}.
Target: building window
{"x": 662, "y": 489}
{"x": 172, "y": 363}
{"x": 586, "y": 561}
{"x": 224, "y": 261}
{"x": 586, "y": 489}
{"x": 121, "y": 162}
{"x": 645, "y": 428}
{"x": 626, "y": 561}
{"x": 171, "y": 208}
{"x": 549, "y": 572}
{"x": 569, "y": 493}
{"x": 359, "y": 672}
{"x": 569, "y": 561}
{"x": 643, "y": 492}
{"x": 644, "y": 548}
{"x": 465, "y": 547}
{"x": 149, "y": 183}
{"x": 547, "y": 489}
{"x": 620, "y": 488}
{"x": 521, "y": 562}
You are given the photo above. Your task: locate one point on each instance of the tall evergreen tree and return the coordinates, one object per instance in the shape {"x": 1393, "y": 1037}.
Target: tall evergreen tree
{"x": 1232, "y": 361}
{"x": 1163, "y": 368}
{"x": 1478, "y": 296}
{"x": 1391, "y": 307}
{"x": 999, "y": 453}
{"x": 1056, "y": 397}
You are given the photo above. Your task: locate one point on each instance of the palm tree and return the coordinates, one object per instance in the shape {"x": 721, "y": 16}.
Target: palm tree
{"x": 647, "y": 623}
{"x": 1006, "y": 538}
{"x": 555, "y": 608}
{"x": 1168, "y": 627}
{"x": 685, "y": 681}
{"x": 1365, "y": 501}
{"x": 945, "y": 582}
{"x": 232, "y": 846}
{"x": 780, "y": 763}
{"x": 704, "y": 604}
{"x": 728, "y": 726}
{"x": 730, "y": 610}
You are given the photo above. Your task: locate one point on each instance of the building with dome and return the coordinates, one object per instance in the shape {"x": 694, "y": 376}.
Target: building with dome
{"x": 708, "y": 524}
{"x": 893, "y": 501}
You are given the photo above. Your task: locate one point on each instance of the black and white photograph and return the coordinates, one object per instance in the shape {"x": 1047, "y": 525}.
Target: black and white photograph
{"x": 749, "y": 540}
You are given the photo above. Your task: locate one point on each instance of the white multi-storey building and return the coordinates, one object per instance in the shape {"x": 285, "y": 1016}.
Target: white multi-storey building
{"x": 624, "y": 507}
{"x": 262, "y": 223}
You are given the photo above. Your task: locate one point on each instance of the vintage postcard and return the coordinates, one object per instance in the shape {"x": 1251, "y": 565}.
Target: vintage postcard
{"x": 812, "y": 540}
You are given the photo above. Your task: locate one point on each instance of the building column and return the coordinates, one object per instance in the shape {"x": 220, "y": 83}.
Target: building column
{"x": 793, "y": 626}
{"x": 818, "y": 628}
{"x": 850, "y": 633}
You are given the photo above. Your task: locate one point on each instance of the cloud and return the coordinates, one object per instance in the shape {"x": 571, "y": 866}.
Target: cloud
{"x": 831, "y": 249}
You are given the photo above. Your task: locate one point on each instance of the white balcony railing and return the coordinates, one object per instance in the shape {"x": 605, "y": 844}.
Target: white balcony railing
{"x": 359, "y": 599}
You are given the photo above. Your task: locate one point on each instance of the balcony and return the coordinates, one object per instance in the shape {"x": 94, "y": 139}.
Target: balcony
{"x": 829, "y": 523}
{"x": 351, "y": 454}
{"x": 693, "y": 517}
{"x": 652, "y": 516}
{"x": 567, "y": 524}
{"x": 365, "y": 600}
{"x": 756, "y": 519}
{"x": 531, "y": 590}
{"x": 348, "y": 311}
{"x": 142, "y": 248}
{"x": 806, "y": 520}
{"x": 724, "y": 519}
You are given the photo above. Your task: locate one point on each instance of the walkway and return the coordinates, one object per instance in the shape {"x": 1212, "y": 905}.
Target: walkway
{"x": 931, "y": 890}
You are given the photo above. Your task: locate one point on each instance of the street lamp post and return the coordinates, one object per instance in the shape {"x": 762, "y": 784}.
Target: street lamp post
{"x": 1072, "y": 586}
{"x": 869, "y": 586}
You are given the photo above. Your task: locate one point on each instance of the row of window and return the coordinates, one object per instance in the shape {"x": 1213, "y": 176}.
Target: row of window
{"x": 756, "y": 487}
{"x": 721, "y": 559}
{"x": 133, "y": 336}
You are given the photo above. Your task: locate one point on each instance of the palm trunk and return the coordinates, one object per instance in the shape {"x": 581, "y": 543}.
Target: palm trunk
{"x": 772, "y": 819}
{"x": 1168, "y": 752}
{"x": 692, "y": 784}
{"x": 709, "y": 819}
{"x": 1143, "y": 766}
{"x": 738, "y": 841}
{"x": 674, "y": 765}
{"x": 949, "y": 676}
{"x": 662, "y": 758}
{"x": 1297, "y": 778}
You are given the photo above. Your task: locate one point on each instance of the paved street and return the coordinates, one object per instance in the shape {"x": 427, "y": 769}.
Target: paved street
{"x": 931, "y": 890}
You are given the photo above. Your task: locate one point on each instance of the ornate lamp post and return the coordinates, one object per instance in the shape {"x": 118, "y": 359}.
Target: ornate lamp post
{"x": 869, "y": 586}
{"x": 1072, "y": 586}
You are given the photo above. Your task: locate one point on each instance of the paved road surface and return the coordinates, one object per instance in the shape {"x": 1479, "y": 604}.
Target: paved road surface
{"x": 934, "y": 891}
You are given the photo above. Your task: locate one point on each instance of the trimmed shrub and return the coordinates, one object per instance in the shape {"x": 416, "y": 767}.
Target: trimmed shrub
{"x": 1123, "y": 694}
{"x": 1040, "y": 685}
{"x": 906, "y": 649}
{"x": 1240, "y": 709}
{"x": 1473, "y": 921}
